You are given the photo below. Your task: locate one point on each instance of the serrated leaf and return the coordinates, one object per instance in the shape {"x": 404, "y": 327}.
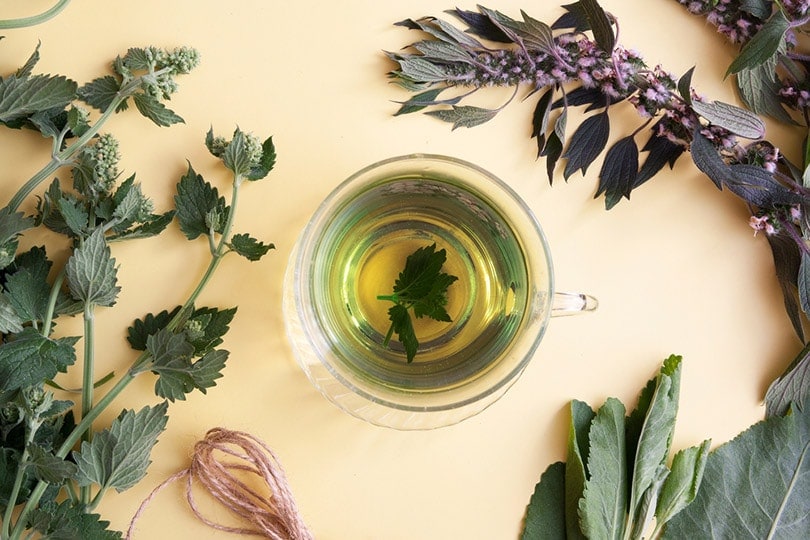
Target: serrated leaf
{"x": 27, "y": 288}
{"x": 49, "y": 468}
{"x": 403, "y": 326}
{"x": 752, "y": 487}
{"x": 575, "y": 469}
{"x": 660, "y": 151}
{"x": 603, "y": 508}
{"x": 759, "y": 91}
{"x": 31, "y": 358}
{"x": 266, "y": 163}
{"x": 195, "y": 199}
{"x": 154, "y": 225}
{"x": 67, "y": 521}
{"x": 545, "y": 515}
{"x": 442, "y": 51}
{"x": 28, "y": 68}
{"x": 424, "y": 99}
{"x": 249, "y": 247}
{"x": 236, "y": 157}
{"x": 177, "y": 374}
{"x": 100, "y": 92}
{"x": 156, "y": 111}
{"x": 117, "y": 457}
{"x": 573, "y": 18}
{"x": 141, "y": 329}
{"x": 464, "y": 115}
{"x": 90, "y": 272}
{"x": 683, "y": 482}
{"x": 758, "y": 187}
{"x": 207, "y": 326}
{"x": 77, "y": 122}
{"x": 586, "y": 144}
{"x": 766, "y": 43}
{"x": 10, "y": 322}
{"x": 735, "y": 119}
{"x": 73, "y": 215}
{"x": 619, "y": 169}
{"x": 12, "y": 224}
{"x": 20, "y": 97}
{"x": 419, "y": 69}
{"x": 792, "y": 386}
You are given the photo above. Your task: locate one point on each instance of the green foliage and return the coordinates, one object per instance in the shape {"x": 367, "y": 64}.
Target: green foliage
{"x": 91, "y": 272}
{"x": 421, "y": 286}
{"x": 65, "y": 521}
{"x": 197, "y": 201}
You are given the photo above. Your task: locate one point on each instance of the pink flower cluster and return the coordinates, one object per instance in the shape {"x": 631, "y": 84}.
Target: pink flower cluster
{"x": 728, "y": 16}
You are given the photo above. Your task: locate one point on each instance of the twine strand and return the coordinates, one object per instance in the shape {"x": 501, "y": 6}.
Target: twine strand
{"x": 276, "y": 517}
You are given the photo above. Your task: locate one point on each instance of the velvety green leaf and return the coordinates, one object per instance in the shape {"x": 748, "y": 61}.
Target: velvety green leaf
{"x": 155, "y": 111}
{"x": 154, "y": 225}
{"x": 74, "y": 215}
{"x": 599, "y": 23}
{"x": 420, "y": 69}
{"x": 735, "y": 119}
{"x": 206, "y": 327}
{"x": 766, "y": 43}
{"x": 754, "y": 487}
{"x": 442, "y": 51}
{"x": 236, "y": 157}
{"x": 67, "y": 521}
{"x": 249, "y": 247}
{"x": 27, "y": 288}
{"x": 464, "y": 115}
{"x": 12, "y": 224}
{"x": 49, "y": 468}
{"x": 91, "y": 273}
{"x": 603, "y": 508}
{"x": 266, "y": 163}
{"x": 100, "y": 92}
{"x": 619, "y": 169}
{"x": 10, "y": 322}
{"x": 30, "y": 358}
{"x": 195, "y": 199}
{"x": 586, "y": 144}
{"x": 575, "y": 470}
{"x": 141, "y": 329}
{"x": 681, "y": 486}
{"x": 792, "y": 386}
{"x": 656, "y": 433}
{"x": 77, "y": 122}
{"x": 20, "y": 97}
{"x": 118, "y": 457}
{"x": 28, "y": 68}
{"x": 759, "y": 91}
{"x": 545, "y": 515}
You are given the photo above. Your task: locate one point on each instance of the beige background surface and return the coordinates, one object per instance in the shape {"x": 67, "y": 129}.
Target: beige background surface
{"x": 677, "y": 269}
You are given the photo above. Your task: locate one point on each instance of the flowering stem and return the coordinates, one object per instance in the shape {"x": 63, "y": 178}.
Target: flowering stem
{"x": 34, "y": 20}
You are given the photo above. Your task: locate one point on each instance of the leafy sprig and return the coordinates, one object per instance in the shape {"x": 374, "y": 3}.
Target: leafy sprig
{"x": 421, "y": 287}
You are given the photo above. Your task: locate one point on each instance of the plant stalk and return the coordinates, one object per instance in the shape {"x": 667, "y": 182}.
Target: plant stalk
{"x": 24, "y": 22}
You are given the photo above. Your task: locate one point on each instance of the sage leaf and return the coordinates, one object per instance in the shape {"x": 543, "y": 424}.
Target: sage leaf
{"x": 735, "y": 119}
{"x": 117, "y": 457}
{"x": 752, "y": 487}
{"x": 91, "y": 272}
{"x": 30, "y": 358}
{"x": 767, "y": 42}
{"x": 619, "y": 169}
{"x": 20, "y": 97}
{"x": 603, "y": 507}
{"x": 575, "y": 469}
{"x": 681, "y": 486}
{"x": 464, "y": 116}
{"x": 66, "y": 520}
{"x": 599, "y": 24}
{"x": 792, "y": 386}
{"x": 194, "y": 201}
{"x": 545, "y": 515}
{"x": 586, "y": 143}
{"x": 156, "y": 111}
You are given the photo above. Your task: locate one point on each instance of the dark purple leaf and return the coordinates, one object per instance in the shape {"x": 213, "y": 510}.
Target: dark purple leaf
{"x": 662, "y": 151}
{"x": 420, "y": 101}
{"x": 573, "y": 18}
{"x": 709, "y": 161}
{"x": 586, "y": 144}
{"x": 758, "y": 187}
{"x": 786, "y": 259}
{"x": 481, "y": 25}
{"x": 793, "y": 386}
{"x": 619, "y": 170}
{"x": 685, "y": 85}
{"x": 554, "y": 145}
{"x": 540, "y": 119}
{"x": 600, "y": 24}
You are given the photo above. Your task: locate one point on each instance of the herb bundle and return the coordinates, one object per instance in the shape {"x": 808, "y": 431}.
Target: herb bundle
{"x": 577, "y": 62}
{"x": 56, "y": 464}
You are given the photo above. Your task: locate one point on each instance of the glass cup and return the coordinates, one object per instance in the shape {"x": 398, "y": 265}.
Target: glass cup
{"x": 351, "y": 252}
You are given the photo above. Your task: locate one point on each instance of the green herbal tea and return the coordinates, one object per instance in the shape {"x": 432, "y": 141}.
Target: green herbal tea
{"x": 363, "y": 250}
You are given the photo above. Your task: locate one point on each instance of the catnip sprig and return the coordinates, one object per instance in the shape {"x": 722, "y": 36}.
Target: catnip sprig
{"x": 421, "y": 287}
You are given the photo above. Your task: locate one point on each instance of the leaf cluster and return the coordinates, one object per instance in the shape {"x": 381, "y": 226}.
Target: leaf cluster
{"x": 421, "y": 287}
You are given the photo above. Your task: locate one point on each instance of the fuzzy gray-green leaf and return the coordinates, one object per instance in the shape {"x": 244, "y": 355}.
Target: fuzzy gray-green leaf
{"x": 792, "y": 386}
{"x": 20, "y": 97}
{"x": 156, "y": 111}
{"x": 766, "y": 43}
{"x": 681, "y": 486}
{"x": 464, "y": 116}
{"x": 91, "y": 272}
{"x": 735, "y": 119}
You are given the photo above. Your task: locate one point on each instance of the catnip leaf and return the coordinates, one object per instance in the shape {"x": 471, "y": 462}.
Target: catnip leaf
{"x": 603, "y": 507}
{"x": 20, "y": 97}
{"x": 545, "y": 515}
{"x": 27, "y": 288}
{"x": 12, "y": 224}
{"x": 249, "y": 247}
{"x": 207, "y": 326}
{"x": 236, "y": 156}
{"x": 74, "y": 216}
{"x": 156, "y": 111}
{"x": 30, "y": 358}
{"x": 619, "y": 169}
{"x": 49, "y": 468}
{"x": 753, "y": 487}
{"x": 28, "y": 68}
{"x": 117, "y": 457}
{"x": 464, "y": 115}
{"x": 141, "y": 329}
{"x": 586, "y": 144}
{"x": 681, "y": 485}
{"x": 766, "y": 43}
{"x": 177, "y": 374}
{"x": 403, "y": 326}
{"x": 266, "y": 163}
{"x": 66, "y": 521}
{"x": 10, "y": 322}
{"x": 792, "y": 386}
{"x": 575, "y": 469}
{"x": 91, "y": 272}
{"x": 153, "y": 226}
{"x": 100, "y": 92}
{"x": 735, "y": 119}
{"x": 195, "y": 199}
{"x": 599, "y": 24}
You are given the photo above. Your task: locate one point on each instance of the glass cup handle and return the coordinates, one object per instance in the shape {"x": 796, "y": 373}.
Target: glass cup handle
{"x": 565, "y": 303}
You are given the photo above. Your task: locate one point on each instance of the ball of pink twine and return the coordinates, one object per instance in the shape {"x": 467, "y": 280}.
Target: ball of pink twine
{"x": 275, "y": 517}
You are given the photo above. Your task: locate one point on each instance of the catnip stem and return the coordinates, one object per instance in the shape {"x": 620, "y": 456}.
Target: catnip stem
{"x": 47, "y": 323}
{"x": 24, "y": 22}
{"x": 30, "y": 431}
{"x": 88, "y": 382}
